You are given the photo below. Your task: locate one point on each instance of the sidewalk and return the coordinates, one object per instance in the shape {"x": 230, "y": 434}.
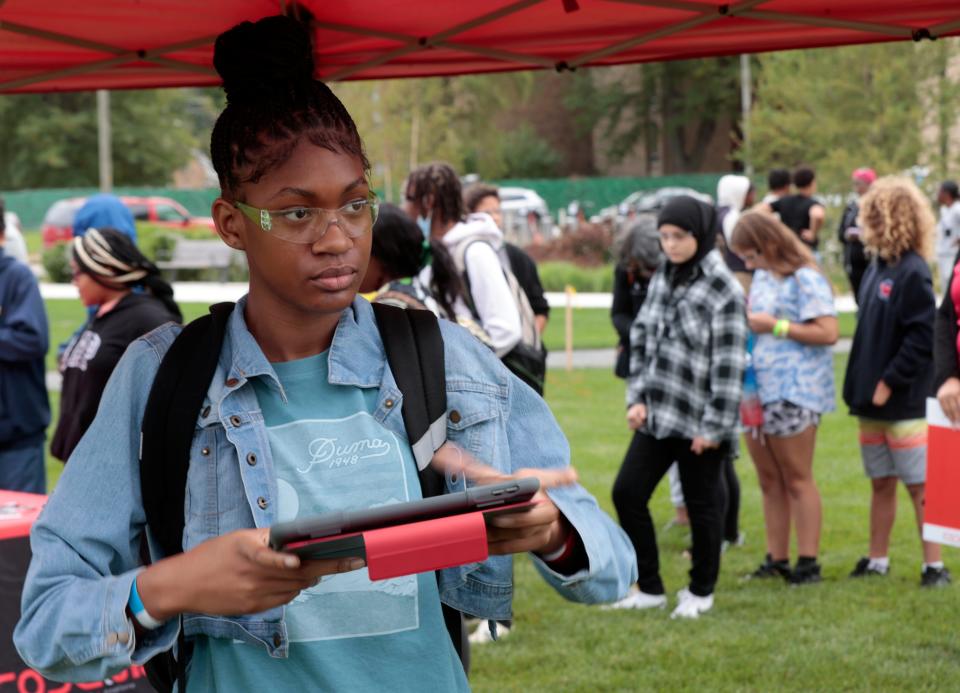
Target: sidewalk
{"x": 215, "y": 292}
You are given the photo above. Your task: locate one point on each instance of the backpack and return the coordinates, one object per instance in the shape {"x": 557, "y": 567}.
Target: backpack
{"x": 414, "y": 348}
{"x": 528, "y": 359}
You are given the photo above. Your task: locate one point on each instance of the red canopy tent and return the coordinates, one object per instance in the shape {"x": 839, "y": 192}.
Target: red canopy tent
{"x": 50, "y": 45}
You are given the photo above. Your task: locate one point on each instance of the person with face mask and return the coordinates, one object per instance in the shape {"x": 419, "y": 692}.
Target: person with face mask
{"x": 688, "y": 352}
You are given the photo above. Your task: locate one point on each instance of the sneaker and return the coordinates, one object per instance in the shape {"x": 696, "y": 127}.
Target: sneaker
{"x": 639, "y": 600}
{"x": 728, "y": 543}
{"x": 805, "y": 574}
{"x": 770, "y": 569}
{"x": 934, "y": 577}
{"x": 482, "y": 634}
{"x": 864, "y": 569}
{"x": 690, "y": 605}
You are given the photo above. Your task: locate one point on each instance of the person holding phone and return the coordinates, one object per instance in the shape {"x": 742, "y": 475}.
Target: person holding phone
{"x": 302, "y": 417}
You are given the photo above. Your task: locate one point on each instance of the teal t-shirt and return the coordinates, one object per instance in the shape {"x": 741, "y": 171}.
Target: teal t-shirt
{"x": 348, "y": 633}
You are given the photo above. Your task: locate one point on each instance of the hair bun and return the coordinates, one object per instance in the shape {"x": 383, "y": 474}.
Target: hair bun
{"x": 271, "y": 55}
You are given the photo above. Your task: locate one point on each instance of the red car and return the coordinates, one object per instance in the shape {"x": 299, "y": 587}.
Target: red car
{"x": 159, "y": 211}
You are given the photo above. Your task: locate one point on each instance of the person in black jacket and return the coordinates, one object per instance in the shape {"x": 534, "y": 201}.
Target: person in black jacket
{"x": 106, "y": 268}
{"x": 946, "y": 349}
{"x": 890, "y": 374}
{"x": 854, "y": 258}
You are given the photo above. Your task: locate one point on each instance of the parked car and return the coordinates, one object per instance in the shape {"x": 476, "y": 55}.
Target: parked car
{"x": 646, "y": 202}
{"x": 161, "y": 211}
{"x": 525, "y": 214}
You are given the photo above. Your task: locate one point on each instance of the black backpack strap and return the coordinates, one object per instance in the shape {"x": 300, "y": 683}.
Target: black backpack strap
{"x": 414, "y": 348}
{"x": 170, "y": 419}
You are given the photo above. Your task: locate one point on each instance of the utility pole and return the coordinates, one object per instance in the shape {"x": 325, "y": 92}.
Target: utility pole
{"x": 746, "y": 102}
{"x": 104, "y": 143}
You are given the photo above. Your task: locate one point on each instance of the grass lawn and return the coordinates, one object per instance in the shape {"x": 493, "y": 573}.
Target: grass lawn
{"x": 881, "y": 634}
{"x": 884, "y": 634}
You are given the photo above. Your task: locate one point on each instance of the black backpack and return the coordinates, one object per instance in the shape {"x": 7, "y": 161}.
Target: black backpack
{"x": 414, "y": 348}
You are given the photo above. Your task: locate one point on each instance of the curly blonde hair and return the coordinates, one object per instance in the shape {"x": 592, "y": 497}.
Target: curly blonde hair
{"x": 897, "y": 218}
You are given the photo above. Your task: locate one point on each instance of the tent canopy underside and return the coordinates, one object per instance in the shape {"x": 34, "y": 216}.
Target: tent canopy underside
{"x": 51, "y": 45}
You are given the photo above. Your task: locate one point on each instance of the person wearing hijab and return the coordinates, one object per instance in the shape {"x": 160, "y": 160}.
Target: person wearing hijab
{"x": 683, "y": 397}
{"x": 106, "y": 268}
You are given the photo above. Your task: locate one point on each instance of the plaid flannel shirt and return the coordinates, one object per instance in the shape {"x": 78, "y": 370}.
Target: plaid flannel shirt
{"x": 688, "y": 353}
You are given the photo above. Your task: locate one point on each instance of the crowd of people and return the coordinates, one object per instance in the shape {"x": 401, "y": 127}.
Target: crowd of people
{"x": 705, "y": 363}
{"x": 725, "y": 321}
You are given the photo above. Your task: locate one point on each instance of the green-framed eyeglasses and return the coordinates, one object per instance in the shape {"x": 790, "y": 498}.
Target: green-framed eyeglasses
{"x": 308, "y": 225}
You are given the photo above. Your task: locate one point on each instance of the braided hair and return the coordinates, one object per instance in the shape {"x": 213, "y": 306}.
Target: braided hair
{"x": 273, "y": 101}
{"x": 111, "y": 259}
{"x": 400, "y": 247}
{"x": 439, "y": 181}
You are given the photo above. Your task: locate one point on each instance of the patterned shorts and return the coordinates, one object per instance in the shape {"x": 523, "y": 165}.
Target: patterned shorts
{"x": 894, "y": 448}
{"x": 784, "y": 419}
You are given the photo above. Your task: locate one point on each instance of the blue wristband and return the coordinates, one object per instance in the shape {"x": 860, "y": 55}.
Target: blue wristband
{"x": 139, "y": 611}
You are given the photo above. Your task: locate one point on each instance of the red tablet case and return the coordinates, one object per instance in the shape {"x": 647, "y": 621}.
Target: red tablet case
{"x": 420, "y": 547}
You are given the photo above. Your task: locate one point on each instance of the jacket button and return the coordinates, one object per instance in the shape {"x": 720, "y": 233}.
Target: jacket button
{"x": 251, "y": 459}
{"x": 232, "y": 382}
{"x": 206, "y": 412}
{"x": 276, "y": 640}
{"x": 388, "y": 404}
{"x": 235, "y": 420}
{"x": 455, "y": 416}
{"x": 205, "y": 451}
{"x": 262, "y": 502}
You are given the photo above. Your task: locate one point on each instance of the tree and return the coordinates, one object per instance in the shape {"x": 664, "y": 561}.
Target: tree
{"x": 50, "y": 140}
{"x": 840, "y": 108}
{"x": 681, "y": 104}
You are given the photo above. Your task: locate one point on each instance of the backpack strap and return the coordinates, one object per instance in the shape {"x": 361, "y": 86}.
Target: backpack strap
{"x": 169, "y": 422}
{"x": 414, "y": 348}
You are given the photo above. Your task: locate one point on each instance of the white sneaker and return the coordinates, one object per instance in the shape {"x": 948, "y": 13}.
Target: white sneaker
{"x": 482, "y": 634}
{"x": 690, "y": 605}
{"x": 640, "y": 600}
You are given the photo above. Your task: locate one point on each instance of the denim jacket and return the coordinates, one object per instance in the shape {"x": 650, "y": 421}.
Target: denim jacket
{"x": 86, "y": 542}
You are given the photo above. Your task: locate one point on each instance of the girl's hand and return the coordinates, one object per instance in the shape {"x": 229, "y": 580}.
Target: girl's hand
{"x": 698, "y": 445}
{"x": 636, "y": 416}
{"x": 761, "y": 323}
{"x": 881, "y": 395}
{"x": 541, "y": 529}
{"x": 237, "y": 573}
{"x": 949, "y": 397}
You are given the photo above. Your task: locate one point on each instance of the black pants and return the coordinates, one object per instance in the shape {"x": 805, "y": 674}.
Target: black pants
{"x": 646, "y": 461}
{"x": 731, "y": 500}
{"x": 855, "y": 264}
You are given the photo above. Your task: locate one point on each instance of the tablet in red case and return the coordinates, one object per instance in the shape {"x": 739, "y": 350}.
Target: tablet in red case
{"x": 415, "y": 547}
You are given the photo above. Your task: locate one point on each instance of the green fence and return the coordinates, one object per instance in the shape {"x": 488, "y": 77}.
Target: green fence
{"x": 593, "y": 193}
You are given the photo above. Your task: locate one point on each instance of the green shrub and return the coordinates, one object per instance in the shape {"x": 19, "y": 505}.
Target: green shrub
{"x": 556, "y": 276}
{"x": 56, "y": 263}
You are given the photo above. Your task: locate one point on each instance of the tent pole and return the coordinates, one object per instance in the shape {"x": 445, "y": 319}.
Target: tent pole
{"x": 746, "y": 98}
{"x": 104, "y": 148}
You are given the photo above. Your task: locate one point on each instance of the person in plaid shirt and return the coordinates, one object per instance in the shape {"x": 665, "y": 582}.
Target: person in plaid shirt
{"x": 686, "y": 376}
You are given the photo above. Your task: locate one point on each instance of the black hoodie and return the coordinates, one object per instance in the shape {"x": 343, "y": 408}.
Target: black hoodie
{"x": 90, "y": 358}
{"x": 893, "y": 341}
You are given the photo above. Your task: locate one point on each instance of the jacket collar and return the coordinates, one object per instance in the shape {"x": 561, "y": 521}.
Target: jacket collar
{"x": 356, "y": 354}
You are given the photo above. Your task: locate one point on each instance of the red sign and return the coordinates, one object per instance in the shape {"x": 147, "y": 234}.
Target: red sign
{"x": 941, "y": 513}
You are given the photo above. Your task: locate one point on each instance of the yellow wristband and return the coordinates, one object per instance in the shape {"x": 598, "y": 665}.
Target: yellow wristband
{"x": 781, "y": 329}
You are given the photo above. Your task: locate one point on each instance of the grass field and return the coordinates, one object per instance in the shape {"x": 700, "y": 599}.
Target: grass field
{"x": 882, "y": 634}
